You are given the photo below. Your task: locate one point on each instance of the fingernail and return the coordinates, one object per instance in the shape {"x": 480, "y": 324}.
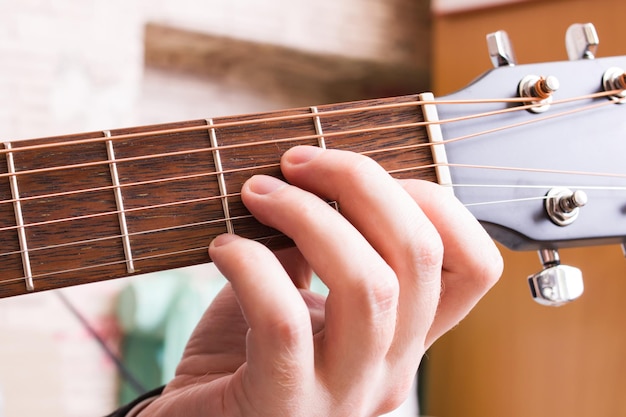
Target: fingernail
{"x": 302, "y": 154}
{"x": 223, "y": 240}
{"x": 264, "y": 184}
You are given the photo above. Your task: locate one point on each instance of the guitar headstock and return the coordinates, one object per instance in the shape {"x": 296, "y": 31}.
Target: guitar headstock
{"x": 543, "y": 167}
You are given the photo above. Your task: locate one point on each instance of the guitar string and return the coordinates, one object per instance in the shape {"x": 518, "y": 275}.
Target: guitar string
{"x": 515, "y": 200}
{"x": 489, "y": 131}
{"x": 167, "y": 254}
{"x": 112, "y": 263}
{"x": 174, "y": 253}
{"x": 223, "y": 220}
{"x": 138, "y": 183}
{"x": 308, "y": 116}
{"x": 302, "y": 116}
{"x": 139, "y": 259}
{"x": 542, "y": 186}
{"x": 143, "y": 232}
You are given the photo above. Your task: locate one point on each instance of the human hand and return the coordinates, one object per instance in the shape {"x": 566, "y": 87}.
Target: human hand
{"x": 404, "y": 262}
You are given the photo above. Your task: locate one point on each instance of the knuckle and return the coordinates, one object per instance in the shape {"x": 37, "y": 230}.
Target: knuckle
{"x": 428, "y": 249}
{"x": 289, "y": 331}
{"x": 379, "y": 294}
{"x": 288, "y": 338}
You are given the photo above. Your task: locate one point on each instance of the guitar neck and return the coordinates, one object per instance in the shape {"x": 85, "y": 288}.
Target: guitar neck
{"x": 102, "y": 205}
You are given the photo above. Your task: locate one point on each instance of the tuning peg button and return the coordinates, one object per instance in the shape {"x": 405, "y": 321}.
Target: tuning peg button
{"x": 581, "y": 41}
{"x": 557, "y": 284}
{"x": 500, "y": 49}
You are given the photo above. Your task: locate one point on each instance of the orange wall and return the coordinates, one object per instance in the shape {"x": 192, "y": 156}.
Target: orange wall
{"x": 512, "y": 357}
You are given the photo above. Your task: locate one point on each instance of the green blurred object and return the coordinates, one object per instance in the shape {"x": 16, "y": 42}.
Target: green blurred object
{"x": 157, "y": 313}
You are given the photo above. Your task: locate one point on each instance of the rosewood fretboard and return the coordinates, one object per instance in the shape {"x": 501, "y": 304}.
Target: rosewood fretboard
{"x": 102, "y": 205}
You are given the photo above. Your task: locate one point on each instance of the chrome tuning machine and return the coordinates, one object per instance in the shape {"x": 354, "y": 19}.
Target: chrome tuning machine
{"x": 581, "y": 41}
{"x": 556, "y": 284}
{"x": 500, "y": 49}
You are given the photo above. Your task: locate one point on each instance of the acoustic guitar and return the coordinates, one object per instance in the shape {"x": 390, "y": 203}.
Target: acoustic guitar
{"x": 534, "y": 151}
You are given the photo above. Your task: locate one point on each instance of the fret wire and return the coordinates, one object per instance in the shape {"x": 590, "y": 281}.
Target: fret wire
{"x": 221, "y": 180}
{"x": 19, "y": 220}
{"x": 327, "y": 113}
{"x": 119, "y": 201}
{"x": 321, "y": 142}
{"x": 318, "y": 128}
{"x": 334, "y": 134}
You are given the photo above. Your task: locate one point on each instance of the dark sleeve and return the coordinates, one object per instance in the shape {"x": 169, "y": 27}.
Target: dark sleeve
{"x": 123, "y": 411}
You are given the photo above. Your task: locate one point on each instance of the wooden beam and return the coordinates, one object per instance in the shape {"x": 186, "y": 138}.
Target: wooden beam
{"x": 308, "y": 77}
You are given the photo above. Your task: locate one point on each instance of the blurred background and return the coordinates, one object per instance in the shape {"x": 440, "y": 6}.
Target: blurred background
{"x": 76, "y": 65}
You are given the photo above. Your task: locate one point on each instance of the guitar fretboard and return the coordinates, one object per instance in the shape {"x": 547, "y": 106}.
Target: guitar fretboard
{"x": 102, "y": 205}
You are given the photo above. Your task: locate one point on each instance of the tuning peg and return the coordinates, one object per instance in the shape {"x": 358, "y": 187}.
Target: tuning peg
{"x": 539, "y": 90}
{"x": 581, "y": 41}
{"x": 563, "y": 205}
{"x": 557, "y": 284}
{"x": 500, "y": 49}
{"x": 614, "y": 78}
